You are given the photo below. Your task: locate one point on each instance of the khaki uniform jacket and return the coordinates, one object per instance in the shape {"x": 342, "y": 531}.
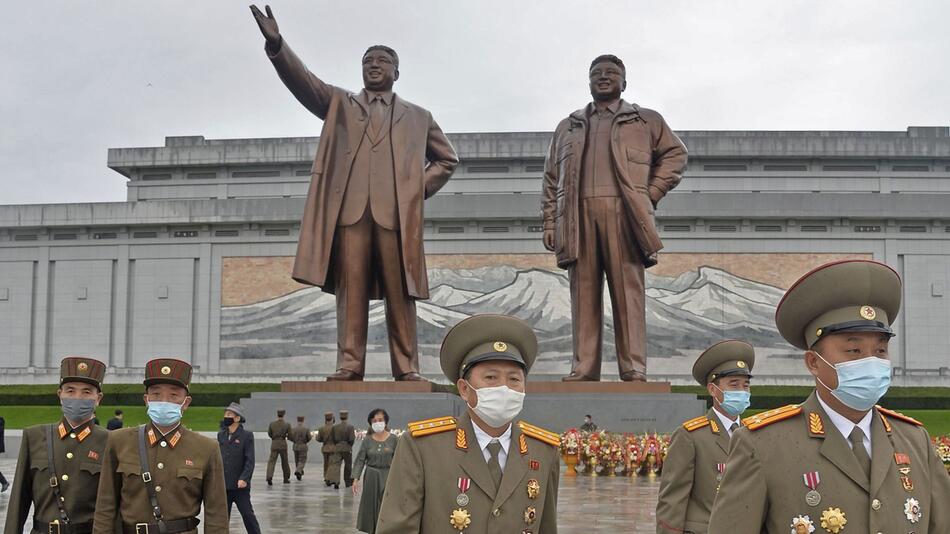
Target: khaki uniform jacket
{"x": 423, "y": 161}
{"x": 423, "y": 482}
{"x": 344, "y": 436}
{"x": 300, "y": 436}
{"x": 763, "y": 489}
{"x": 691, "y": 475}
{"x": 325, "y": 436}
{"x": 278, "y": 431}
{"x": 187, "y": 471}
{"x": 649, "y": 160}
{"x": 77, "y": 455}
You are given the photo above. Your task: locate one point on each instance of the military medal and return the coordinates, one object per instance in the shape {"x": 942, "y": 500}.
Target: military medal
{"x": 833, "y": 520}
{"x": 907, "y": 483}
{"x": 462, "y": 498}
{"x": 802, "y": 525}
{"x": 530, "y": 514}
{"x": 721, "y": 469}
{"x": 534, "y": 489}
{"x": 460, "y": 519}
{"x": 534, "y": 465}
{"x": 812, "y": 479}
{"x": 912, "y": 510}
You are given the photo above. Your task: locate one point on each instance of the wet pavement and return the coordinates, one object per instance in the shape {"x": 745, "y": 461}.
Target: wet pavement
{"x": 585, "y": 504}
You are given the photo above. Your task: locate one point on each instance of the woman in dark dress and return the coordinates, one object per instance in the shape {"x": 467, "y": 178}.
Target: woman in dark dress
{"x": 372, "y": 467}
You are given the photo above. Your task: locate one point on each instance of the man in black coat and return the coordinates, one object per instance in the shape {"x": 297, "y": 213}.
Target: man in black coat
{"x": 4, "y": 485}
{"x": 237, "y": 452}
{"x": 116, "y": 422}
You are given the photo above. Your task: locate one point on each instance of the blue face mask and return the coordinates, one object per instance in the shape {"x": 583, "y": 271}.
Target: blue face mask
{"x": 734, "y": 402}
{"x": 164, "y": 413}
{"x": 861, "y": 383}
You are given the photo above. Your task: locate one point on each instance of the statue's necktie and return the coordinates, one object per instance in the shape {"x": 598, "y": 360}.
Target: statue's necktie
{"x": 494, "y": 467}
{"x": 377, "y": 114}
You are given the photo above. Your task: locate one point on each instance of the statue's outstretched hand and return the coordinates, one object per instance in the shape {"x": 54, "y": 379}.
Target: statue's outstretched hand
{"x": 268, "y": 24}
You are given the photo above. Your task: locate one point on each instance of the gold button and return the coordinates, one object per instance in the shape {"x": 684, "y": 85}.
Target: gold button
{"x": 161, "y": 465}
{"x": 72, "y": 435}
{"x": 163, "y": 444}
{"x": 69, "y": 455}
{"x": 158, "y": 488}
{"x": 876, "y": 504}
{"x": 497, "y": 512}
{"x": 65, "y": 478}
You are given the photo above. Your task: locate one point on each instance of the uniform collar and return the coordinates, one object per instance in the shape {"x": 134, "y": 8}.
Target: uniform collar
{"x": 79, "y": 433}
{"x": 726, "y": 422}
{"x": 844, "y": 425}
{"x": 484, "y": 439}
{"x": 171, "y": 439}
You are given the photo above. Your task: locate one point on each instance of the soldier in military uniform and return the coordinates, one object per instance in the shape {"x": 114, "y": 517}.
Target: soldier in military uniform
{"x": 278, "y": 431}
{"x": 300, "y": 436}
{"x": 57, "y": 472}
{"x": 344, "y": 436}
{"x": 484, "y": 471}
{"x": 158, "y": 476}
{"x": 325, "y": 436}
{"x": 697, "y": 455}
{"x": 836, "y": 463}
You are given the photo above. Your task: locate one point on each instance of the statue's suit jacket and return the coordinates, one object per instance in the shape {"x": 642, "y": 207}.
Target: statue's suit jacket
{"x": 423, "y": 161}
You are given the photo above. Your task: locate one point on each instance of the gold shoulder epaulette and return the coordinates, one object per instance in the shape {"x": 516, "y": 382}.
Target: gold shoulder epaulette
{"x": 763, "y": 419}
{"x": 432, "y": 426}
{"x": 900, "y": 416}
{"x": 696, "y": 424}
{"x": 540, "y": 434}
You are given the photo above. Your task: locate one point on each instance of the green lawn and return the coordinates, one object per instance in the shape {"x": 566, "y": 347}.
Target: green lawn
{"x": 200, "y": 418}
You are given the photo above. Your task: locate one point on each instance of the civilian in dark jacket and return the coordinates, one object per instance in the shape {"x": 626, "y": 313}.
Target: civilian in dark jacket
{"x": 237, "y": 452}
{"x": 116, "y": 422}
{"x": 3, "y": 448}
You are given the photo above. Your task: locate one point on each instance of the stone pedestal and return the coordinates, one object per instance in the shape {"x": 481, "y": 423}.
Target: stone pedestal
{"x": 557, "y": 406}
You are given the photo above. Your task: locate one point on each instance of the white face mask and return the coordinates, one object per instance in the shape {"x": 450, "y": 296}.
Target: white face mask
{"x": 379, "y": 426}
{"x": 498, "y": 405}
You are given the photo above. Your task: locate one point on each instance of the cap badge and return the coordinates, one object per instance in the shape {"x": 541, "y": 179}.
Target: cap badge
{"x": 82, "y": 367}
{"x": 500, "y": 346}
{"x": 868, "y": 313}
{"x": 818, "y": 332}
{"x": 740, "y": 364}
{"x": 166, "y": 370}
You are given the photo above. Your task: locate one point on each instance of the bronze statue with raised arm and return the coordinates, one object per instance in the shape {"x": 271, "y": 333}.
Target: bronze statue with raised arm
{"x": 609, "y": 165}
{"x": 378, "y": 159}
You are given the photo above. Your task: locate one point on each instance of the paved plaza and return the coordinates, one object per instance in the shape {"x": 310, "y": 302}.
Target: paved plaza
{"x": 585, "y": 504}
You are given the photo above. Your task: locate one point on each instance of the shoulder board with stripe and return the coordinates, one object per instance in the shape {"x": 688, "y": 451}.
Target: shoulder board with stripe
{"x": 540, "y": 434}
{"x": 432, "y": 426}
{"x": 899, "y": 416}
{"x": 772, "y": 416}
{"x": 696, "y": 424}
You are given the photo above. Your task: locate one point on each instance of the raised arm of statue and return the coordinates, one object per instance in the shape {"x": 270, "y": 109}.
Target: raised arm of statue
{"x": 310, "y": 90}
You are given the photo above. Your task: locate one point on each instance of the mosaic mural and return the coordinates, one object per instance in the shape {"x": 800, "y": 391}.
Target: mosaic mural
{"x": 693, "y": 300}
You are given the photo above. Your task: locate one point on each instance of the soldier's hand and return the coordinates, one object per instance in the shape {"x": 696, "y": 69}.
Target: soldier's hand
{"x": 241, "y": 484}
{"x": 549, "y": 240}
{"x": 268, "y": 24}
{"x": 356, "y": 487}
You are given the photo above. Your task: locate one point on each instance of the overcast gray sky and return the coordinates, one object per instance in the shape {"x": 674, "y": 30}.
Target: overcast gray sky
{"x": 79, "y": 77}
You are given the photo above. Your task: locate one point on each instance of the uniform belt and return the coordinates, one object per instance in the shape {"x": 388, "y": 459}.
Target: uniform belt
{"x": 171, "y": 527}
{"x": 45, "y": 527}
